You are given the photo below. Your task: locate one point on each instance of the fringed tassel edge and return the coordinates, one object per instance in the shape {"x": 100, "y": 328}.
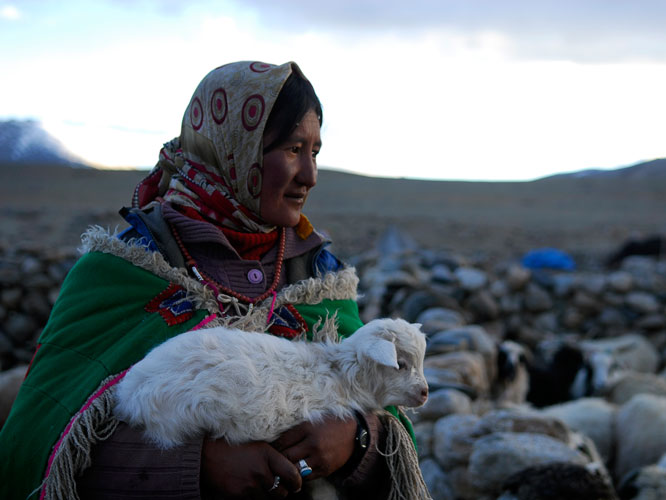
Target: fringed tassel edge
{"x": 71, "y": 455}
{"x": 333, "y": 285}
{"x": 403, "y": 463}
{"x": 98, "y": 239}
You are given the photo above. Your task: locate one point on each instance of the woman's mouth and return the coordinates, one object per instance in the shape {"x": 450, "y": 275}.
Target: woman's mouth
{"x": 296, "y": 197}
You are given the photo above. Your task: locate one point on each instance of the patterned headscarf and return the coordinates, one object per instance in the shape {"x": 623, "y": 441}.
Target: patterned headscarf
{"x": 215, "y": 167}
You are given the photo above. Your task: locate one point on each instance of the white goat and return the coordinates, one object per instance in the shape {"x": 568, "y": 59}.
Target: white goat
{"x": 243, "y": 386}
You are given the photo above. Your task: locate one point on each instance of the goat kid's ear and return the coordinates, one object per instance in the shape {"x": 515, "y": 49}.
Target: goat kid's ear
{"x": 382, "y": 352}
{"x": 386, "y": 334}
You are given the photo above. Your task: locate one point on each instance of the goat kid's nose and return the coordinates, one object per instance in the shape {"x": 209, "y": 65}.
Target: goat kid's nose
{"x": 424, "y": 393}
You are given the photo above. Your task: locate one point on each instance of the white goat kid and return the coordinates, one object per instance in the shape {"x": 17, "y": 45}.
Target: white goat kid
{"x": 243, "y": 386}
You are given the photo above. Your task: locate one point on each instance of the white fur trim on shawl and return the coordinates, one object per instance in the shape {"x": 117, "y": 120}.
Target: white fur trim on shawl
{"x": 332, "y": 285}
{"x": 98, "y": 239}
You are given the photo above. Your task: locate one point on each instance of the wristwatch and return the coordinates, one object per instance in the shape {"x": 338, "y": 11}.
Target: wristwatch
{"x": 361, "y": 442}
{"x": 362, "y": 438}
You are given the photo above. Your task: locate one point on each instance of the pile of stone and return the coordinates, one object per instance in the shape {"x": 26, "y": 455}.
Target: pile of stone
{"x": 478, "y": 433}
{"x": 442, "y": 290}
{"x": 544, "y": 384}
{"x": 30, "y": 280}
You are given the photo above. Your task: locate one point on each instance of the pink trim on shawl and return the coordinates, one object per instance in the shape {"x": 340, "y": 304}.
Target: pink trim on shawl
{"x": 270, "y": 313}
{"x": 204, "y": 322}
{"x": 90, "y": 401}
{"x": 92, "y": 398}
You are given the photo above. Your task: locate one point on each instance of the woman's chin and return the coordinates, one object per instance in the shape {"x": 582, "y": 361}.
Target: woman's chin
{"x": 284, "y": 219}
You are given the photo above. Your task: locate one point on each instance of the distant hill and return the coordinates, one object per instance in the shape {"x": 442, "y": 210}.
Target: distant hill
{"x": 26, "y": 142}
{"x": 654, "y": 169}
{"x": 52, "y": 205}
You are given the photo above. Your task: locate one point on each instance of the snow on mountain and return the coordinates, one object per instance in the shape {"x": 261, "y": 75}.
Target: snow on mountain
{"x": 26, "y": 142}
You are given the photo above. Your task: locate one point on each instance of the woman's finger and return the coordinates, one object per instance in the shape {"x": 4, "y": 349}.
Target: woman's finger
{"x": 300, "y": 450}
{"x": 308, "y": 468}
{"x": 277, "y": 489}
{"x": 292, "y": 437}
{"x": 304, "y": 450}
{"x": 290, "y": 478}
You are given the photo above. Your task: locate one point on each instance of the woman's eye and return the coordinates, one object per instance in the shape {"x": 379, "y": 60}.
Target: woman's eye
{"x": 314, "y": 154}
{"x": 295, "y": 149}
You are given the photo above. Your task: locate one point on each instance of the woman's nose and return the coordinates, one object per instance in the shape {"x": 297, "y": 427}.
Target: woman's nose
{"x": 307, "y": 174}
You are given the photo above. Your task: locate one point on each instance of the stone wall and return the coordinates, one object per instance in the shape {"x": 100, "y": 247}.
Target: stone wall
{"x": 510, "y": 301}
{"x": 438, "y": 289}
{"x": 30, "y": 280}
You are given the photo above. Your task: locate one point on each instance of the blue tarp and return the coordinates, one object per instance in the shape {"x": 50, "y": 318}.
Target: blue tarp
{"x": 548, "y": 258}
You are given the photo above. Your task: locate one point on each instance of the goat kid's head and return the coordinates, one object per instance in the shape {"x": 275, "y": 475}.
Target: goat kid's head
{"x": 390, "y": 353}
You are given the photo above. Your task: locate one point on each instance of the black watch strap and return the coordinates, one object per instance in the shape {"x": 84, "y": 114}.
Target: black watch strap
{"x": 361, "y": 442}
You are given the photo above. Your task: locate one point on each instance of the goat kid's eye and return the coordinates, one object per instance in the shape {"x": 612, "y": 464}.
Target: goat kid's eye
{"x": 402, "y": 365}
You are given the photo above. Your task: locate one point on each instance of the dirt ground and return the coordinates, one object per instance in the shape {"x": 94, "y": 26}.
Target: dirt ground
{"x": 49, "y": 207}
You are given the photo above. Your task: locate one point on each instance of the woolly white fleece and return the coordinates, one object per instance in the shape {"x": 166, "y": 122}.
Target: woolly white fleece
{"x": 246, "y": 386}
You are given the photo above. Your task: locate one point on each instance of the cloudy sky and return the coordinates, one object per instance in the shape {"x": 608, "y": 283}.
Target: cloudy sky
{"x": 449, "y": 89}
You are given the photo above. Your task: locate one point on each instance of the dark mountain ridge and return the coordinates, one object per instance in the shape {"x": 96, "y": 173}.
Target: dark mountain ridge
{"x": 26, "y": 142}
{"x": 653, "y": 169}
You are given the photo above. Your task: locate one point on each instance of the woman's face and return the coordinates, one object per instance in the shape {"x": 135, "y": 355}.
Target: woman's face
{"x": 289, "y": 172}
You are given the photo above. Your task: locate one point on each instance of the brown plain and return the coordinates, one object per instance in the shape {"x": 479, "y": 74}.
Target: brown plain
{"x": 50, "y": 206}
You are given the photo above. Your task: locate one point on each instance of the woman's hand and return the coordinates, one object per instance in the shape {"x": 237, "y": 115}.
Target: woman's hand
{"x": 247, "y": 470}
{"x": 325, "y": 446}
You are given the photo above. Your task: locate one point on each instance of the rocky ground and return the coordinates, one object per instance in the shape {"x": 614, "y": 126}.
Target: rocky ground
{"x": 537, "y": 376}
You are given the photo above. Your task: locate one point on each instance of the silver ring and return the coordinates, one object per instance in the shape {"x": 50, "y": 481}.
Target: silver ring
{"x": 304, "y": 468}
{"x": 276, "y": 483}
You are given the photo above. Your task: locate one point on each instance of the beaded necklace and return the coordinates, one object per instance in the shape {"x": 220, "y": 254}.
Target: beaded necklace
{"x": 217, "y": 287}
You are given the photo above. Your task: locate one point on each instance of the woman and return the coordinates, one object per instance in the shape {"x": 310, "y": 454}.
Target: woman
{"x": 216, "y": 237}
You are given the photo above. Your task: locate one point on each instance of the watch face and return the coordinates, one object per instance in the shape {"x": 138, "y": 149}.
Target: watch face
{"x": 363, "y": 438}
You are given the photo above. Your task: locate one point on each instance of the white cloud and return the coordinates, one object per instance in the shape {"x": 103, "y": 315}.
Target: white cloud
{"x": 104, "y": 146}
{"x": 9, "y": 12}
{"x": 434, "y": 103}
{"x": 587, "y": 31}
{"x": 438, "y": 105}
{"x": 411, "y": 108}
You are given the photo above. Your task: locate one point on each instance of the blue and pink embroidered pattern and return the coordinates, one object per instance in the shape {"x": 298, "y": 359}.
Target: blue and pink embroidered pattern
{"x": 287, "y": 322}
{"x": 172, "y": 305}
